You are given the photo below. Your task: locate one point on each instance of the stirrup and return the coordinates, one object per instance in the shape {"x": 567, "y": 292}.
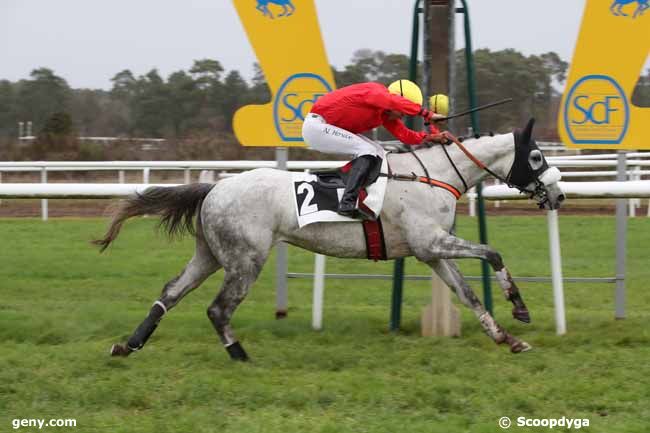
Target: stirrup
{"x": 357, "y": 213}
{"x": 350, "y": 212}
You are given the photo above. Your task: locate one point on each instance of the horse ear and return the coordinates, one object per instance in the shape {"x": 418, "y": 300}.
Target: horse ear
{"x": 528, "y": 130}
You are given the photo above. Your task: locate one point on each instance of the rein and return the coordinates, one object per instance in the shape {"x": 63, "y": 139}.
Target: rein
{"x": 423, "y": 179}
{"x": 483, "y": 167}
{"x": 474, "y": 159}
{"x": 437, "y": 183}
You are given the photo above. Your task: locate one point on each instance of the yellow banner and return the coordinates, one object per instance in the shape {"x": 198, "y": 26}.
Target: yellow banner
{"x": 596, "y": 111}
{"x": 286, "y": 38}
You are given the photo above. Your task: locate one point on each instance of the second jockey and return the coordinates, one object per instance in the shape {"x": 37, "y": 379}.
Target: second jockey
{"x": 338, "y": 119}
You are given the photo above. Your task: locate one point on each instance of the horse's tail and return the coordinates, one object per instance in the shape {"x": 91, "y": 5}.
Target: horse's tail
{"x": 176, "y": 206}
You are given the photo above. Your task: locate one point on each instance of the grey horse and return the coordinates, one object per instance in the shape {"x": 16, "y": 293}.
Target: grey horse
{"x": 239, "y": 219}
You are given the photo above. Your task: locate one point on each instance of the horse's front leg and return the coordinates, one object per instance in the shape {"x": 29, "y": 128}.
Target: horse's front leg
{"x": 449, "y": 273}
{"x": 446, "y": 246}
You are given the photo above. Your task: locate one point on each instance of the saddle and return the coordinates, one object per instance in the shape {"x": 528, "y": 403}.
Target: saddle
{"x": 317, "y": 197}
{"x": 317, "y": 194}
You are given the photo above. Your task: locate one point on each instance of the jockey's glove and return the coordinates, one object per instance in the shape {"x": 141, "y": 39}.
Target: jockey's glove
{"x": 441, "y": 138}
{"x": 430, "y": 116}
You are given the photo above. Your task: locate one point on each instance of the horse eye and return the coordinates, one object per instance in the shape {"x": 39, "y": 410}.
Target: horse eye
{"x": 535, "y": 159}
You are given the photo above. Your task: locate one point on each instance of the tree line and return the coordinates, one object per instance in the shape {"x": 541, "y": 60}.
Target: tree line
{"x": 201, "y": 101}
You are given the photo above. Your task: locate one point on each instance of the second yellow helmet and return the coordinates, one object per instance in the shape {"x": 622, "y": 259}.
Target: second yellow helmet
{"x": 407, "y": 89}
{"x": 439, "y": 104}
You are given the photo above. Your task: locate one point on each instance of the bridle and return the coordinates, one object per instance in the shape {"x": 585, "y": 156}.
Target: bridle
{"x": 482, "y": 166}
{"x": 538, "y": 190}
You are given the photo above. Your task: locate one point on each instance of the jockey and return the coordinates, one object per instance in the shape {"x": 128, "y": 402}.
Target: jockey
{"x": 338, "y": 119}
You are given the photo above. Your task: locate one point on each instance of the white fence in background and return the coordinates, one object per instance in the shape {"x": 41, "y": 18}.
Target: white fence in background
{"x": 73, "y": 190}
{"x": 575, "y": 190}
{"x": 45, "y": 167}
{"x": 635, "y": 171}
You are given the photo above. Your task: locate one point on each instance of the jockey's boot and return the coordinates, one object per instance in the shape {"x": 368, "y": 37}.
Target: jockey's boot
{"x": 356, "y": 180}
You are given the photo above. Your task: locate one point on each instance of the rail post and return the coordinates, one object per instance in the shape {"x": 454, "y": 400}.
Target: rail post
{"x": 319, "y": 289}
{"x": 621, "y": 233}
{"x": 556, "y": 271}
{"x": 44, "y": 203}
{"x": 281, "y": 291}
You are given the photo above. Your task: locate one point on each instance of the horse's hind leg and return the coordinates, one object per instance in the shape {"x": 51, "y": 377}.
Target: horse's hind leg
{"x": 200, "y": 267}
{"x": 237, "y": 281}
{"x": 449, "y": 273}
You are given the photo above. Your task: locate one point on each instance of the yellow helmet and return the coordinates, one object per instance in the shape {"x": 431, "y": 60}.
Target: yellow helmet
{"x": 439, "y": 104}
{"x": 407, "y": 89}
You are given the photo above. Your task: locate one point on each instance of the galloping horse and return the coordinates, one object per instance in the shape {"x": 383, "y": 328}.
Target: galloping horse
{"x": 239, "y": 219}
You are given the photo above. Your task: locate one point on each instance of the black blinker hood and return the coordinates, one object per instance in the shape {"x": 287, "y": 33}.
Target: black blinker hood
{"x": 521, "y": 173}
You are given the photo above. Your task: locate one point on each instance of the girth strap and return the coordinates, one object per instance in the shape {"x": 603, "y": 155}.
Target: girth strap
{"x": 440, "y": 184}
{"x": 375, "y": 243}
{"x": 423, "y": 179}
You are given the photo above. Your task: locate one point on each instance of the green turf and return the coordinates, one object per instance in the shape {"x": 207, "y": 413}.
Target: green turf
{"x": 62, "y": 306}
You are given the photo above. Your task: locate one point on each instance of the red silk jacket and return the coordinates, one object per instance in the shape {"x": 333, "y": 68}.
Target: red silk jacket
{"x": 361, "y": 107}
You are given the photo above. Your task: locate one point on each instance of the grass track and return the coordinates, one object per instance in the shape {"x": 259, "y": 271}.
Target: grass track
{"x": 62, "y": 305}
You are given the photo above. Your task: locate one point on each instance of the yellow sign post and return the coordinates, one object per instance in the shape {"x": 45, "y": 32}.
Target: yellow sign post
{"x": 613, "y": 45}
{"x": 287, "y": 41}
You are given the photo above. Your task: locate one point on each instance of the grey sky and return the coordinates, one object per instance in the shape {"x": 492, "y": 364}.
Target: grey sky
{"x": 88, "y": 41}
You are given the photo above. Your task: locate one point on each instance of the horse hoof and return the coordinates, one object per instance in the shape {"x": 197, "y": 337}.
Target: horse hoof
{"x": 520, "y": 346}
{"x": 119, "y": 350}
{"x": 521, "y": 314}
{"x": 237, "y": 352}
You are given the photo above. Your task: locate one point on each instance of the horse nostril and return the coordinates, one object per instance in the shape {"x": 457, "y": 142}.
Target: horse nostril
{"x": 560, "y": 198}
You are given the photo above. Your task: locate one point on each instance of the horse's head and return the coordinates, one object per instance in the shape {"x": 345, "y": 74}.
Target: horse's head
{"x": 530, "y": 172}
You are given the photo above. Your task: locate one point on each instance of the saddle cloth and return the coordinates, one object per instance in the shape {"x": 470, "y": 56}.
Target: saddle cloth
{"x": 317, "y": 195}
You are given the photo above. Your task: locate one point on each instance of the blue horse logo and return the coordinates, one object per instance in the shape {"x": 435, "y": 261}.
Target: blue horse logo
{"x": 617, "y": 6}
{"x": 287, "y": 7}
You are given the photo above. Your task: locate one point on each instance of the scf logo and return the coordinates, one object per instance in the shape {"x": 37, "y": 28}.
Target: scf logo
{"x": 294, "y": 100}
{"x": 596, "y": 111}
